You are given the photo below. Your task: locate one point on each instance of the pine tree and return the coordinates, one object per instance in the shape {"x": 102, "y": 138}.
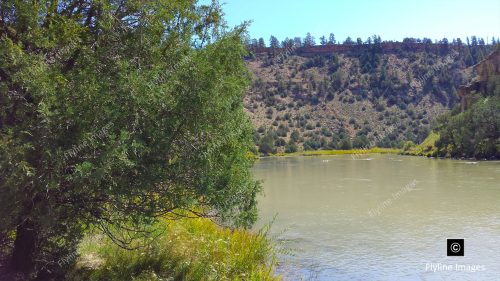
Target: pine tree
{"x": 331, "y": 40}
{"x": 262, "y": 43}
{"x": 323, "y": 40}
{"x": 297, "y": 41}
{"x": 348, "y": 41}
{"x": 309, "y": 40}
{"x": 274, "y": 43}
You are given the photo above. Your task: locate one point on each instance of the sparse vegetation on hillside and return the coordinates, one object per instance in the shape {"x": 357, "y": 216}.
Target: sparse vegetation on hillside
{"x": 339, "y": 100}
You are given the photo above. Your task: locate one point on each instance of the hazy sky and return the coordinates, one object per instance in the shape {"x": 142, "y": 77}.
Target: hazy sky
{"x": 391, "y": 19}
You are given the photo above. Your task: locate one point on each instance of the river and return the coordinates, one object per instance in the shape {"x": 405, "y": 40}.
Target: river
{"x": 382, "y": 217}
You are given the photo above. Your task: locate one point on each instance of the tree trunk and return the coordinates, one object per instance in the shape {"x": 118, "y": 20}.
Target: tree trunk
{"x": 24, "y": 247}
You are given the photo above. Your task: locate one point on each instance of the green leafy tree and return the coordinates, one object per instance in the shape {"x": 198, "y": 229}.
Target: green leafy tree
{"x": 113, "y": 114}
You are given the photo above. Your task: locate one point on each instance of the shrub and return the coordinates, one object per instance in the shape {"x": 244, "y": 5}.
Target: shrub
{"x": 317, "y": 61}
{"x": 408, "y": 145}
{"x": 280, "y": 142}
{"x": 291, "y": 148}
{"x": 266, "y": 144}
{"x": 361, "y": 141}
{"x": 345, "y": 144}
{"x": 326, "y": 132}
{"x": 380, "y": 107}
{"x": 312, "y": 144}
{"x": 282, "y": 131}
{"x": 295, "y": 136}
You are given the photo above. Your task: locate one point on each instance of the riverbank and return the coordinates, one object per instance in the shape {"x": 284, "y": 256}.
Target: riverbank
{"x": 428, "y": 148}
{"x": 341, "y": 152}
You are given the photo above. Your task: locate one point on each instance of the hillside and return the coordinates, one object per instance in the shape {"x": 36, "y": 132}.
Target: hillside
{"x": 376, "y": 94}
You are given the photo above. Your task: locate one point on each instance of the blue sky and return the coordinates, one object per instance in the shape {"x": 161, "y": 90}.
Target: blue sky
{"x": 391, "y": 19}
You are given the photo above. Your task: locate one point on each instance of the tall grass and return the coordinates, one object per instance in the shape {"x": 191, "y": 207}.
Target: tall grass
{"x": 190, "y": 249}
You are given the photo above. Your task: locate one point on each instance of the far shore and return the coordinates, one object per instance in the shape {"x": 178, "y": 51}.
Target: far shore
{"x": 358, "y": 151}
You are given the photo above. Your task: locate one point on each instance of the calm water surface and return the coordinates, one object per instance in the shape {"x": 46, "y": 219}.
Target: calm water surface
{"x": 381, "y": 217}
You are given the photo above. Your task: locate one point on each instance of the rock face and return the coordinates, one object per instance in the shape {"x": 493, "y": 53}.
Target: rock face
{"x": 489, "y": 66}
{"x": 484, "y": 70}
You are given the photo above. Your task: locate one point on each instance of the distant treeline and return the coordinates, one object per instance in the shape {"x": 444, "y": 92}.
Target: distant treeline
{"x": 475, "y": 48}
{"x": 309, "y": 41}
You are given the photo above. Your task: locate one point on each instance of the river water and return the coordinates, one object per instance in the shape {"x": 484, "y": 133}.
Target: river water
{"x": 382, "y": 217}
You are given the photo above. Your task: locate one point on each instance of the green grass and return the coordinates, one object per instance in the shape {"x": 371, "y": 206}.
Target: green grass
{"x": 190, "y": 249}
{"x": 426, "y": 148}
{"x": 341, "y": 152}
